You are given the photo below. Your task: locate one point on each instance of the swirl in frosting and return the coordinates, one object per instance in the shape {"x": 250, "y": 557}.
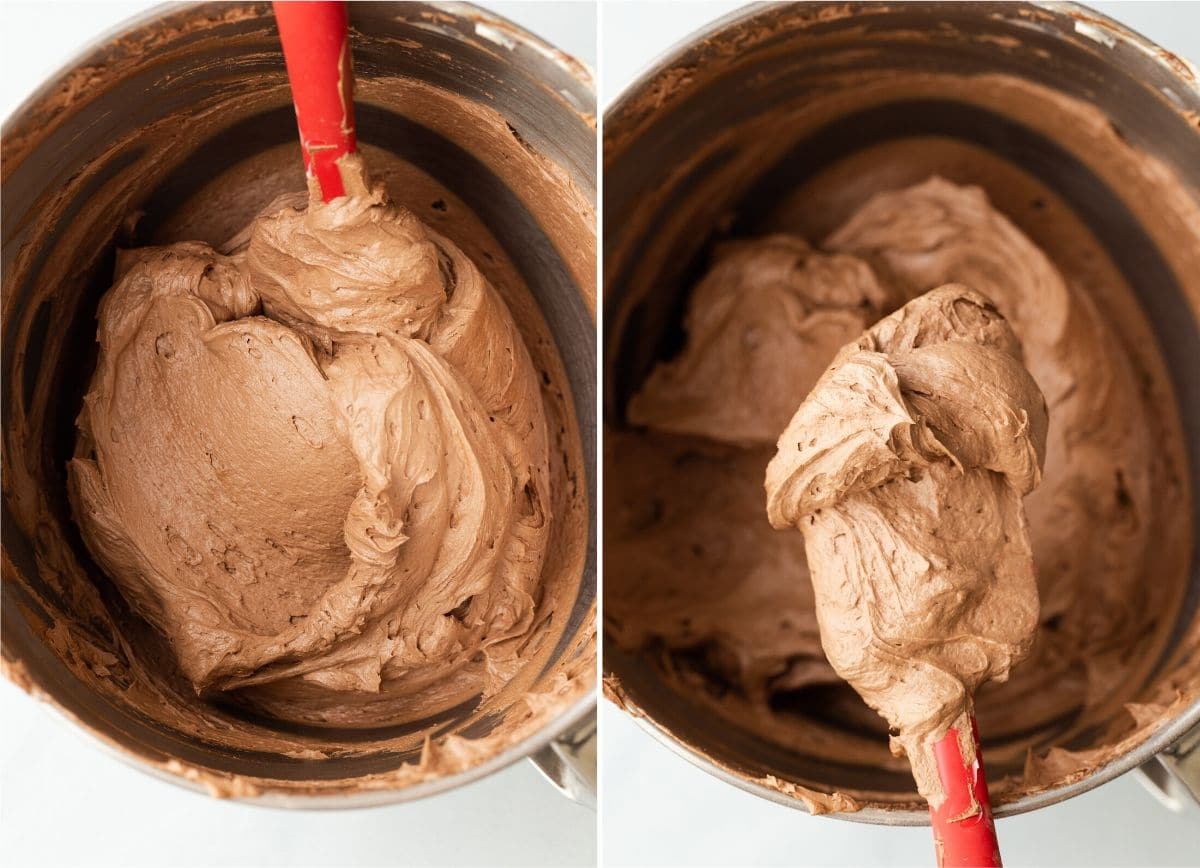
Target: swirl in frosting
{"x": 317, "y": 462}
{"x": 765, "y": 299}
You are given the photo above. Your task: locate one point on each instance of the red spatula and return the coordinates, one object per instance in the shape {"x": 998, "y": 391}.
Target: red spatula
{"x": 316, "y": 48}
{"x": 963, "y": 829}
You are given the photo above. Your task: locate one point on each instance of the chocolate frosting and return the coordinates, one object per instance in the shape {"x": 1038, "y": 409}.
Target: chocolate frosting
{"x": 317, "y": 461}
{"x": 905, "y": 468}
{"x": 723, "y": 607}
{"x": 763, "y": 301}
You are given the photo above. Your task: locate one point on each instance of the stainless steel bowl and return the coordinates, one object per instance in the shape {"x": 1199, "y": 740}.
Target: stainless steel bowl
{"x": 144, "y": 119}
{"x": 721, "y": 119}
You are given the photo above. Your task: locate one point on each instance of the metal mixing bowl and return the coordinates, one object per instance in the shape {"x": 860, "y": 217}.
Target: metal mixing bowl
{"x": 678, "y": 168}
{"x": 76, "y": 143}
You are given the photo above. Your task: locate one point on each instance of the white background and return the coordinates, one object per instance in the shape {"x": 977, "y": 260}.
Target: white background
{"x": 658, "y": 809}
{"x": 63, "y": 802}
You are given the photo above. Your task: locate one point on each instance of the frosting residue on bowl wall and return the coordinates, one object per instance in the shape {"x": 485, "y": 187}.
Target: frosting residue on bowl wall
{"x": 721, "y": 607}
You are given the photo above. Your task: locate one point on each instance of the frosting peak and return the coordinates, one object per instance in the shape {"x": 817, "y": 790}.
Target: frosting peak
{"x": 905, "y": 468}
{"x": 762, "y": 322}
{"x": 358, "y": 264}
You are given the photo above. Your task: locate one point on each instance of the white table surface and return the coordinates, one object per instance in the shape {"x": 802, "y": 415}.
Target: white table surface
{"x": 658, "y": 809}
{"x": 62, "y": 802}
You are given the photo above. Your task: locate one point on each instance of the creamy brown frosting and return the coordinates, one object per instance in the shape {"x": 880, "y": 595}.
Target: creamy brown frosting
{"x": 763, "y": 321}
{"x": 517, "y": 205}
{"x": 697, "y": 581}
{"x": 319, "y": 461}
{"x": 905, "y": 468}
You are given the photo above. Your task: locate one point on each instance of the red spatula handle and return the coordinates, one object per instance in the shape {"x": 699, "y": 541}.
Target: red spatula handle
{"x": 963, "y": 828}
{"x": 316, "y": 48}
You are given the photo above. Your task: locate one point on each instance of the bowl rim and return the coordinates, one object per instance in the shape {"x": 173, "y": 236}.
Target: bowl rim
{"x": 1079, "y": 12}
